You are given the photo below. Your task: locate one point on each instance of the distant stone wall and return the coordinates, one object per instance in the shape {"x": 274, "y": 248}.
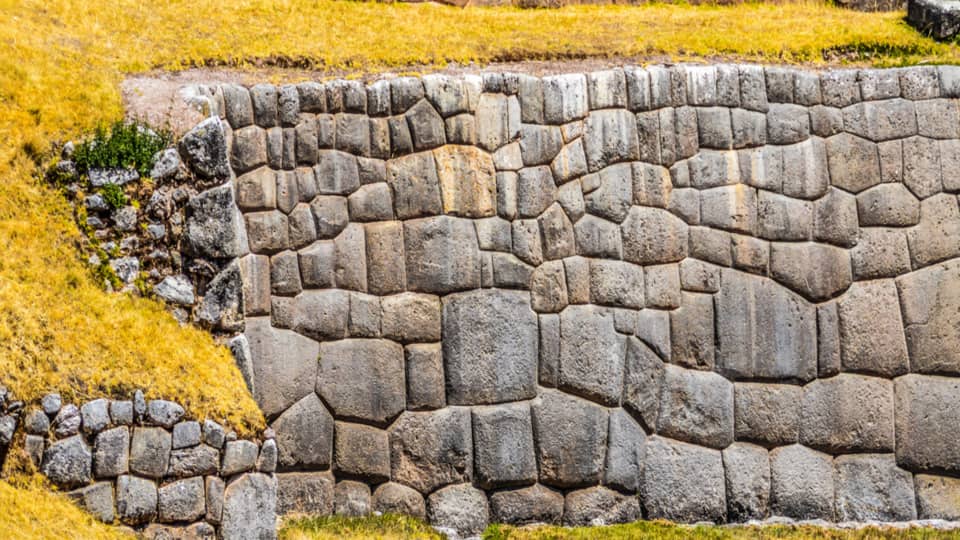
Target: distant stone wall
{"x": 695, "y": 293}
{"x": 141, "y": 464}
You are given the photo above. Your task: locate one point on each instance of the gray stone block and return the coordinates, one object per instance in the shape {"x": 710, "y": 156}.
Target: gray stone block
{"x": 597, "y": 237}
{"x": 854, "y": 162}
{"x": 923, "y": 406}
{"x": 599, "y": 506}
{"x": 351, "y": 498}
{"x": 526, "y": 506}
{"x": 194, "y": 461}
{"x": 237, "y": 105}
{"x": 415, "y": 185}
{"x": 558, "y": 237}
{"x": 848, "y": 413}
{"x": 731, "y": 208}
{"x": 378, "y": 396}
{"x": 182, "y": 501}
{"x": 503, "y": 445}
{"x": 839, "y": 87}
{"x": 305, "y": 434}
{"x": 364, "y": 315}
{"x": 692, "y": 332}
{"x": 460, "y": 507}
{"x": 362, "y": 451}
{"x": 268, "y": 232}
{"x": 871, "y": 329}
{"x": 616, "y": 283}
{"x": 238, "y": 457}
{"x": 565, "y": 98}
{"x": 888, "y": 205}
{"x": 715, "y": 127}
{"x": 248, "y": 149}
{"x": 835, "y": 218}
{"x": 746, "y": 469}
{"x": 783, "y": 218}
{"x": 696, "y": 406}
{"x": 111, "y": 453}
{"x": 411, "y": 317}
{"x": 571, "y": 435}
{"x": 136, "y": 500}
{"x": 393, "y": 498}
{"x": 936, "y": 496}
{"x": 67, "y": 462}
{"x": 624, "y": 462}
{"x": 750, "y": 254}
{"x": 284, "y": 365}
{"x": 385, "y": 257}
{"x": 481, "y": 366}
{"x": 825, "y": 121}
{"x": 539, "y": 145}
{"x": 871, "y": 487}
{"x": 653, "y": 236}
{"x": 921, "y": 166}
{"x": 683, "y": 482}
{"x": 881, "y": 121}
{"x": 880, "y": 252}
{"x": 643, "y": 381}
{"x": 938, "y": 118}
{"x": 753, "y": 90}
{"x": 801, "y": 483}
{"x": 150, "y": 451}
{"x": 432, "y": 449}
{"x": 591, "y": 354}
{"x": 937, "y": 236}
{"x": 467, "y": 181}
{"x": 535, "y": 191}
{"x": 97, "y": 499}
{"x": 816, "y": 271}
{"x": 214, "y": 227}
{"x": 442, "y": 255}
{"x": 498, "y": 121}
{"x": 787, "y": 124}
{"x": 548, "y": 288}
{"x": 95, "y": 416}
{"x": 763, "y": 330}
{"x": 305, "y": 493}
{"x": 768, "y": 414}
{"x": 930, "y": 308}
{"x": 714, "y": 168}
{"x": 249, "y": 508}
{"x": 607, "y": 89}
{"x": 749, "y": 128}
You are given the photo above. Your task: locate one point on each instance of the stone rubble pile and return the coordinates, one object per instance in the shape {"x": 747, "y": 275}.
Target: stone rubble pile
{"x": 140, "y": 463}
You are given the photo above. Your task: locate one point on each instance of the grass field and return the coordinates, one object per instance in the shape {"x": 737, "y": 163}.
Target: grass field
{"x": 61, "y": 63}
{"x": 402, "y": 528}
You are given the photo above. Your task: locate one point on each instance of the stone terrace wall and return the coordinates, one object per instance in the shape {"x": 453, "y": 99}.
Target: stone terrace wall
{"x": 693, "y": 292}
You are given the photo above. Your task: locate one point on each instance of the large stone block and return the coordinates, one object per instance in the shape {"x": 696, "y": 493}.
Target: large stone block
{"x": 425, "y": 380}
{"x": 305, "y": 434}
{"x": 111, "y": 453}
{"x": 890, "y": 205}
{"x": 503, "y": 445}
{"x": 616, "y": 283}
{"x": 768, "y": 414}
{"x": 490, "y": 347}
{"x": 610, "y": 136}
{"x": 214, "y": 227}
{"x": 653, "y": 236}
{"x": 599, "y": 506}
{"x": 351, "y": 498}
{"x": 937, "y": 497}
{"x": 783, "y": 218}
{"x": 880, "y": 252}
{"x": 937, "y": 236}
{"x": 393, "y": 498}
{"x": 362, "y": 451}
{"x": 571, "y": 435}
{"x": 468, "y": 182}
{"x": 696, "y": 406}
{"x": 249, "y": 508}
{"x": 871, "y": 330}
{"x": 787, "y": 124}
{"x": 611, "y": 192}
{"x": 625, "y": 451}
{"x": 643, "y": 378}
{"x": 284, "y": 365}
{"x": 871, "y": 487}
{"x": 525, "y": 506}
{"x": 835, "y": 218}
{"x": 921, "y": 166}
{"x": 442, "y": 255}
{"x": 378, "y": 395}
{"x": 854, "y": 162}
{"x": 692, "y": 332}
{"x": 558, "y": 234}
{"x": 591, "y": 354}
{"x": 415, "y": 185}
{"x": 498, "y": 120}
{"x": 597, "y": 237}
{"x": 136, "y": 500}
{"x": 411, "y": 317}
{"x": 322, "y": 314}
{"x": 461, "y": 507}
{"x": 539, "y": 145}
{"x": 746, "y": 468}
{"x": 97, "y": 499}
{"x": 432, "y": 449}
{"x": 564, "y": 98}
{"x": 763, "y": 330}
{"x": 150, "y": 451}
{"x": 931, "y": 309}
{"x": 67, "y": 463}
{"x": 305, "y": 493}
{"x": 182, "y": 500}
{"x": 816, "y": 271}
{"x": 683, "y": 482}
{"x": 848, "y": 413}
{"x": 801, "y": 483}
{"x": 536, "y": 191}
{"x": 881, "y": 121}
{"x": 926, "y": 408}
{"x": 731, "y": 208}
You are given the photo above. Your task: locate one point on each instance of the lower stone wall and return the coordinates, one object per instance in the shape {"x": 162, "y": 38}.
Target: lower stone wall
{"x": 139, "y": 463}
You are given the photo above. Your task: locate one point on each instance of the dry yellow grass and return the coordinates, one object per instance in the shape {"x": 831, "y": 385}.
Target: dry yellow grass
{"x": 33, "y": 512}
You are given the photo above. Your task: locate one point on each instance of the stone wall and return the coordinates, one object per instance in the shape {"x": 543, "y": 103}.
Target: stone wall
{"x": 693, "y": 292}
{"x": 141, "y": 464}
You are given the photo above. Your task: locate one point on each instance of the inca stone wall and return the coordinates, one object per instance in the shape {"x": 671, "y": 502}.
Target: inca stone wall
{"x": 694, "y": 292}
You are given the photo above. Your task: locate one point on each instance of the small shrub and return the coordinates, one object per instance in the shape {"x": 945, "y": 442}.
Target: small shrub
{"x": 114, "y": 196}
{"x": 126, "y": 144}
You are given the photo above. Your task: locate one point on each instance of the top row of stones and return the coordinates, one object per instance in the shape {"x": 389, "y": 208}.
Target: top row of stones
{"x": 557, "y": 99}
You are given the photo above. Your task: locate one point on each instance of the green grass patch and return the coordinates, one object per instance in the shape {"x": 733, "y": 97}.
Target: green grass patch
{"x": 128, "y": 145}
{"x": 385, "y": 527}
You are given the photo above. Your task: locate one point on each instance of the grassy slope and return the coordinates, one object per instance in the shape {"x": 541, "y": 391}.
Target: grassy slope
{"x": 32, "y": 512}
{"x": 60, "y": 65}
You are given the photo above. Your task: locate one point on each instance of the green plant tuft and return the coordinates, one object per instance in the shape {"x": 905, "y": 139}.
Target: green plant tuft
{"x": 114, "y": 196}
{"x": 124, "y": 145}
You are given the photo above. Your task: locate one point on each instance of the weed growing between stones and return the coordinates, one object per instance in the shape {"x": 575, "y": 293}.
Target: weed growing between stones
{"x": 125, "y": 145}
